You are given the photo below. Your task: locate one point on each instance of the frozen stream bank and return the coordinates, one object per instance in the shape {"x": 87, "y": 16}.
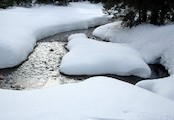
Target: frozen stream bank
{"x": 42, "y": 67}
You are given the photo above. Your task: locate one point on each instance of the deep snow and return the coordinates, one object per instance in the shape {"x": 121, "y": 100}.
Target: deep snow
{"x": 155, "y": 44}
{"x": 97, "y": 98}
{"x": 21, "y": 27}
{"x": 91, "y": 57}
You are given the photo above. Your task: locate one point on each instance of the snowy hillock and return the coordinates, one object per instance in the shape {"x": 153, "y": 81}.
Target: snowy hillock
{"x": 91, "y": 57}
{"x": 98, "y": 98}
{"x": 22, "y": 27}
{"x": 155, "y": 44}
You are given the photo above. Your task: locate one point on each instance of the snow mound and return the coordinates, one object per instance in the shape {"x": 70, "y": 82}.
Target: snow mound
{"x": 21, "y": 27}
{"x": 155, "y": 44}
{"x": 163, "y": 86}
{"x": 91, "y": 57}
{"x": 98, "y": 98}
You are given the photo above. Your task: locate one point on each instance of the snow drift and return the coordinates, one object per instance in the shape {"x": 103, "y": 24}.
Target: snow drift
{"x": 98, "y": 98}
{"x": 91, "y": 57}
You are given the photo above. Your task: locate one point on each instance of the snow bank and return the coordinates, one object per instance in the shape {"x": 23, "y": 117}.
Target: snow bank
{"x": 91, "y": 57}
{"x": 163, "y": 86}
{"x": 98, "y": 98}
{"x": 21, "y": 27}
{"x": 154, "y": 43}
{"x": 151, "y": 41}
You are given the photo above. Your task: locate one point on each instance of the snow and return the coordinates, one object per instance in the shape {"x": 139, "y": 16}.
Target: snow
{"x": 22, "y": 27}
{"x": 97, "y": 98}
{"x": 155, "y": 44}
{"x": 91, "y": 57}
{"x": 163, "y": 86}
{"x": 149, "y": 40}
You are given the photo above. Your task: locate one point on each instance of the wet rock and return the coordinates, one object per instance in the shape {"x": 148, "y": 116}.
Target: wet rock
{"x": 2, "y": 77}
{"x": 51, "y": 50}
{"x": 17, "y": 87}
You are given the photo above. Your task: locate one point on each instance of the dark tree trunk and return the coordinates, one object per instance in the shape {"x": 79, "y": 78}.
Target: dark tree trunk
{"x": 154, "y": 17}
{"x": 144, "y": 15}
{"x": 162, "y": 17}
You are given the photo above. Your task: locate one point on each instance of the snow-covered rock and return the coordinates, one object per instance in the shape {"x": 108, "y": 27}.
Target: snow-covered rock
{"x": 91, "y": 57}
{"x": 21, "y": 27}
{"x": 98, "y": 98}
{"x": 155, "y": 44}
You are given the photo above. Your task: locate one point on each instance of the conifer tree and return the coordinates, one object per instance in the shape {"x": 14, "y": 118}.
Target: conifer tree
{"x": 55, "y": 2}
{"x": 137, "y": 11}
{"x": 23, "y": 3}
{"x": 45, "y": 1}
{"x": 61, "y": 2}
{"x": 6, "y": 3}
{"x": 95, "y": 1}
{"x": 171, "y": 15}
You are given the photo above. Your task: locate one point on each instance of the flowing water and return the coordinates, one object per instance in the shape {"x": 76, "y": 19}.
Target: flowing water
{"x": 41, "y": 69}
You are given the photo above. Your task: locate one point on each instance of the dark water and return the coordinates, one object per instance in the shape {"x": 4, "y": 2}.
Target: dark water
{"x": 62, "y": 37}
{"x": 158, "y": 71}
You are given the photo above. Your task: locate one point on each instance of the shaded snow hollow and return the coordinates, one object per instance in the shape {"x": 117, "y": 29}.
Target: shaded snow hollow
{"x": 91, "y": 57}
{"x": 154, "y": 43}
{"x": 21, "y": 27}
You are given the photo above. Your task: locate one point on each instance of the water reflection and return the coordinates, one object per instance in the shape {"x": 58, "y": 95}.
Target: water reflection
{"x": 22, "y": 77}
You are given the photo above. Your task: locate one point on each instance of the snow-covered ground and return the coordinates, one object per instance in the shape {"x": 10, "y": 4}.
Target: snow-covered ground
{"x": 97, "y": 98}
{"x": 154, "y": 43}
{"x": 21, "y": 27}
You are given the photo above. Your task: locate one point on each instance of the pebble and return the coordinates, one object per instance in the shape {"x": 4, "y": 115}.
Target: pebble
{"x": 51, "y": 50}
{"x": 2, "y": 77}
{"x": 42, "y": 68}
{"x": 17, "y": 87}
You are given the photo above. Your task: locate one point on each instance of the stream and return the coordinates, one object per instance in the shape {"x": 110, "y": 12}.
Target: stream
{"x": 41, "y": 69}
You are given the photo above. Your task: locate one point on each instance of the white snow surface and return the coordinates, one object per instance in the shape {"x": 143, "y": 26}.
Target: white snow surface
{"x": 155, "y": 44}
{"x": 90, "y": 57}
{"x": 98, "y": 98}
{"x": 163, "y": 86}
{"x": 21, "y": 27}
